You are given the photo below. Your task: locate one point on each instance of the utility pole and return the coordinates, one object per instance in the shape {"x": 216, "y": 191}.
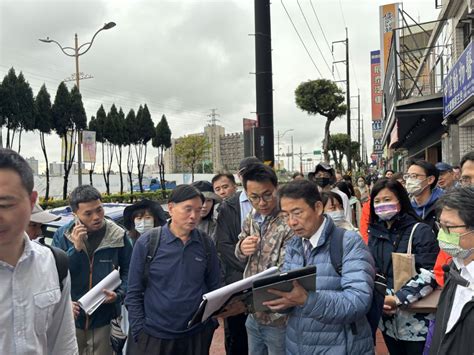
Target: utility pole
{"x": 215, "y": 145}
{"x": 292, "y": 155}
{"x": 348, "y": 98}
{"x": 264, "y": 83}
{"x": 301, "y": 160}
{"x": 348, "y": 94}
{"x": 288, "y": 158}
{"x": 358, "y": 120}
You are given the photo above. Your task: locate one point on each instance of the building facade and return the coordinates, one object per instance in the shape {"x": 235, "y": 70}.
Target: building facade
{"x": 33, "y": 163}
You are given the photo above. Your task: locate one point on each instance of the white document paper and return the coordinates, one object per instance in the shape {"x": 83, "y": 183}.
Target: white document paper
{"x": 95, "y": 297}
{"x": 217, "y": 298}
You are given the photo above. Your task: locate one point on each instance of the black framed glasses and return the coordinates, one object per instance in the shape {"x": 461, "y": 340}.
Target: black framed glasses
{"x": 447, "y": 229}
{"x": 267, "y": 197}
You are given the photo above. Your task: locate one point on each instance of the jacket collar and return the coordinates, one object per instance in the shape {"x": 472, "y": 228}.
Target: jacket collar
{"x": 113, "y": 237}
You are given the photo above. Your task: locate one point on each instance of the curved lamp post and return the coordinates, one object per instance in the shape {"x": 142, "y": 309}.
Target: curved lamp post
{"x": 76, "y": 52}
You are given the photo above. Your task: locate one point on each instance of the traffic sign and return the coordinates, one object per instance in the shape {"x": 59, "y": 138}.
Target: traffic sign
{"x": 316, "y": 152}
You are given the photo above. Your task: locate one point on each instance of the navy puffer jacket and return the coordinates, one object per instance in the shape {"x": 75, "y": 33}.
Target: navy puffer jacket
{"x": 324, "y": 324}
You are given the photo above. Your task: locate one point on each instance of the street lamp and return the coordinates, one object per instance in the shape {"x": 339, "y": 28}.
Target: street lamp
{"x": 76, "y": 53}
{"x": 278, "y": 140}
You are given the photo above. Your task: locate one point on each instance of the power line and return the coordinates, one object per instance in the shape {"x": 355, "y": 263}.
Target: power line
{"x": 301, "y": 39}
{"x": 314, "y": 39}
{"x": 325, "y": 38}
{"x": 352, "y": 62}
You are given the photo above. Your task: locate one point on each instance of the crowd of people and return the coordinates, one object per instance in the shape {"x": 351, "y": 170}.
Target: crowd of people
{"x": 393, "y": 253}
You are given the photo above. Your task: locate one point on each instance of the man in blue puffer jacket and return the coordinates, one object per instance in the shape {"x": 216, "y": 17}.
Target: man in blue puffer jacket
{"x": 332, "y": 319}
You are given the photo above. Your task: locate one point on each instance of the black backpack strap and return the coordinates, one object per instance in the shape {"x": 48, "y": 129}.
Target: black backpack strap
{"x": 206, "y": 240}
{"x": 62, "y": 263}
{"x": 336, "y": 249}
{"x": 154, "y": 242}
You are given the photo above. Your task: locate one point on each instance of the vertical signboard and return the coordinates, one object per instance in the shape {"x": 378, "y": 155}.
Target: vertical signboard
{"x": 388, "y": 22}
{"x": 68, "y": 145}
{"x": 88, "y": 146}
{"x": 376, "y": 85}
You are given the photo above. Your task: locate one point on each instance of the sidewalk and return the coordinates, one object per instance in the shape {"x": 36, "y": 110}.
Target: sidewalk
{"x": 218, "y": 348}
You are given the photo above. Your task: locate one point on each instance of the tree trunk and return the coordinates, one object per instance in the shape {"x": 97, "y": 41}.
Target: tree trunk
{"x": 120, "y": 168}
{"x": 8, "y": 138}
{"x": 161, "y": 169}
{"x": 19, "y": 140}
{"x": 129, "y": 170}
{"x": 43, "y": 148}
{"x": 110, "y": 158}
{"x": 91, "y": 172}
{"x": 103, "y": 164}
{"x": 326, "y": 141}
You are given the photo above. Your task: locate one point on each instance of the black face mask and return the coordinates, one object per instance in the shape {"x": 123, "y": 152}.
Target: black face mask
{"x": 322, "y": 181}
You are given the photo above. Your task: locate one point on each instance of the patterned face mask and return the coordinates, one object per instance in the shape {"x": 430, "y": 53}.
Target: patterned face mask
{"x": 449, "y": 243}
{"x": 386, "y": 211}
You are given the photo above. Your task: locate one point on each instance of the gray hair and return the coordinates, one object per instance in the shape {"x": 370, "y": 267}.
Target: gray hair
{"x": 460, "y": 199}
{"x": 81, "y": 194}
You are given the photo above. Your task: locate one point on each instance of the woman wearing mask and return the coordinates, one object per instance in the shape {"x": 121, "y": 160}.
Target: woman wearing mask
{"x": 208, "y": 221}
{"x": 363, "y": 189}
{"x": 143, "y": 216}
{"x": 392, "y": 221}
{"x": 332, "y": 203}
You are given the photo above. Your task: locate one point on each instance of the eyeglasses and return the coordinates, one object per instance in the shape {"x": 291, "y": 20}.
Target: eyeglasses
{"x": 465, "y": 180}
{"x": 267, "y": 197}
{"x": 412, "y": 176}
{"x": 447, "y": 229}
{"x": 294, "y": 215}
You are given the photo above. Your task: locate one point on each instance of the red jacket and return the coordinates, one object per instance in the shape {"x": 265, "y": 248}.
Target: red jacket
{"x": 364, "y": 221}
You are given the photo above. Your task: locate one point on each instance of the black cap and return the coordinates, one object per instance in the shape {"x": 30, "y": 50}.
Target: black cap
{"x": 207, "y": 190}
{"x": 324, "y": 167}
{"x": 154, "y": 207}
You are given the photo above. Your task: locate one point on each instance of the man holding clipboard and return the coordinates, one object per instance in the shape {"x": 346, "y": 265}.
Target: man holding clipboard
{"x": 331, "y": 319}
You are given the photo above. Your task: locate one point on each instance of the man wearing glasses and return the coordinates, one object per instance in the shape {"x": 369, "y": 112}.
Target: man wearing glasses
{"x": 262, "y": 245}
{"x": 467, "y": 169}
{"x": 421, "y": 180}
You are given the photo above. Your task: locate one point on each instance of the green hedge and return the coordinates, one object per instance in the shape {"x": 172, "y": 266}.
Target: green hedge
{"x": 125, "y": 198}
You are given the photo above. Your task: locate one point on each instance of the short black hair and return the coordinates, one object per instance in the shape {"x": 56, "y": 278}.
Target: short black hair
{"x": 345, "y": 187}
{"x": 399, "y": 191}
{"x": 398, "y": 176}
{"x": 82, "y": 194}
{"x": 221, "y": 175}
{"x": 326, "y": 196}
{"x": 11, "y": 160}
{"x": 259, "y": 173}
{"x": 301, "y": 189}
{"x": 460, "y": 199}
{"x": 347, "y": 178}
{"x": 466, "y": 157}
{"x": 185, "y": 192}
{"x": 295, "y": 175}
{"x": 389, "y": 170}
{"x": 430, "y": 170}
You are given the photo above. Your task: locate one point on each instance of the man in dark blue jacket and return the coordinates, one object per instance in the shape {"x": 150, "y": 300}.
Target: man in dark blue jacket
{"x": 184, "y": 267}
{"x": 95, "y": 246}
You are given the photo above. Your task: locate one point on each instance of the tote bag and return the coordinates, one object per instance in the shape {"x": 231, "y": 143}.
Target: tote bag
{"x": 404, "y": 264}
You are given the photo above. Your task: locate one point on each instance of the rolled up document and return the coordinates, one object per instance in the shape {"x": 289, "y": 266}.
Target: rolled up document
{"x": 96, "y": 296}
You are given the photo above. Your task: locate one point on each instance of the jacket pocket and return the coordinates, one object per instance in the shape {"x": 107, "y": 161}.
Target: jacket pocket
{"x": 44, "y": 303}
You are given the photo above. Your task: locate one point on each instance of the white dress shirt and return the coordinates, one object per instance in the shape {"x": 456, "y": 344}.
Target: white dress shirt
{"x": 315, "y": 237}
{"x": 462, "y": 294}
{"x": 245, "y": 207}
{"x": 35, "y": 317}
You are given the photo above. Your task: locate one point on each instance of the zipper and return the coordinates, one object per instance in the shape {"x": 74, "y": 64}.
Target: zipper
{"x": 91, "y": 268}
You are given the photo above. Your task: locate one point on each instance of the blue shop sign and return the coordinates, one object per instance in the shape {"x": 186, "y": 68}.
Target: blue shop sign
{"x": 458, "y": 86}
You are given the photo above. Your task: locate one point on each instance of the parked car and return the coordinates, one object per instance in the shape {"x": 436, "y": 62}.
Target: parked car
{"x": 113, "y": 211}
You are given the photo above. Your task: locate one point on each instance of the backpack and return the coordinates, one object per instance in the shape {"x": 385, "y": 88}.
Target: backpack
{"x": 62, "y": 262}
{"x": 336, "y": 252}
{"x": 154, "y": 243}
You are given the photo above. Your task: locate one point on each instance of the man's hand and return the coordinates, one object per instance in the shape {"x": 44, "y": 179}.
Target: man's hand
{"x": 232, "y": 309}
{"x": 248, "y": 246}
{"x": 296, "y": 297}
{"x": 390, "y": 305}
{"x": 111, "y": 296}
{"x": 78, "y": 235}
{"x": 75, "y": 309}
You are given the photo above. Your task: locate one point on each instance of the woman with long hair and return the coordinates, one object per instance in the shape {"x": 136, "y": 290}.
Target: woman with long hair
{"x": 392, "y": 221}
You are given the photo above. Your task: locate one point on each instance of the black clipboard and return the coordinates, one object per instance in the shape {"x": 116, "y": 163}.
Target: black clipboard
{"x": 306, "y": 277}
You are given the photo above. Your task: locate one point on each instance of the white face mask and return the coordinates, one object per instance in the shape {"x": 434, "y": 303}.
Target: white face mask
{"x": 414, "y": 187}
{"x": 336, "y": 216}
{"x": 143, "y": 225}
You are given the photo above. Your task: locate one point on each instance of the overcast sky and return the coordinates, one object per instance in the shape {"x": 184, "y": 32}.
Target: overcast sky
{"x": 184, "y": 57}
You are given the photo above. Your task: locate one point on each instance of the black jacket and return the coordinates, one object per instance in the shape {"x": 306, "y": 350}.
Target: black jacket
{"x": 460, "y": 339}
{"x": 227, "y": 232}
{"x": 382, "y": 241}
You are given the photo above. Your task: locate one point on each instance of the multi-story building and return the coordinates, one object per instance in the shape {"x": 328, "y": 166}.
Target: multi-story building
{"x": 225, "y": 152}
{"x": 421, "y": 56}
{"x": 33, "y": 163}
{"x": 231, "y": 151}
{"x": 57, "y": 169}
